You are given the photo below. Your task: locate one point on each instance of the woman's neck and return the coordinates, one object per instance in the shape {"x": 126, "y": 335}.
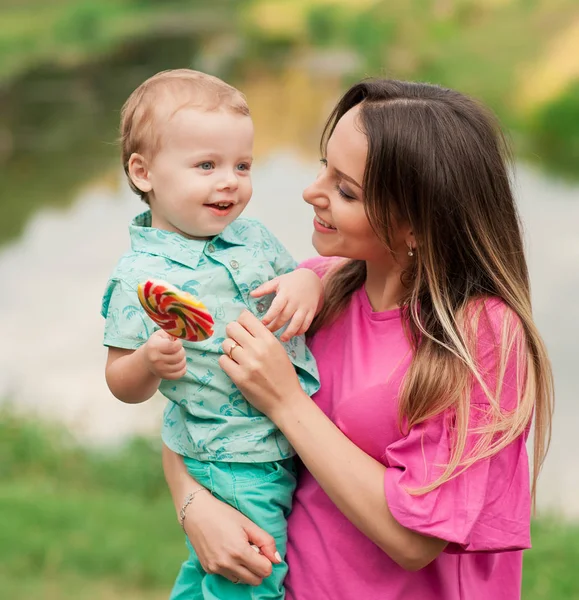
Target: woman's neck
{"x": 384, "y": 286}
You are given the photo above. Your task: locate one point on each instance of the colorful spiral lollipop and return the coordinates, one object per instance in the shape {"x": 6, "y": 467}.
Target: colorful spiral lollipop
{"x": 177, "y": 312}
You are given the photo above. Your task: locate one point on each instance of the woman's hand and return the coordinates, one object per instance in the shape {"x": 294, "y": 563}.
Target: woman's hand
{"x": 227, "y": 543}
{"x": 258, "y": 364}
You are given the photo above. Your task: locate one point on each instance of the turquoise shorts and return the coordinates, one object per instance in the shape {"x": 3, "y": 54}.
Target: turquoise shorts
{"x": 263, "y": 493}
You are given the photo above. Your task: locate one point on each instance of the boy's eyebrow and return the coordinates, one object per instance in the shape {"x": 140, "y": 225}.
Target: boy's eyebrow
{"x": 347, "y": 178}
{"x": 213, "y": 155}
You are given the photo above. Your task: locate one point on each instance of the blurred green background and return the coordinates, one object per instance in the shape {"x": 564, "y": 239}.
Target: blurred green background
{"x": 84, "y": 512}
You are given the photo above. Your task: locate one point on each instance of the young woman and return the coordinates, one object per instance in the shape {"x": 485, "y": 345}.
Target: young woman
{"x": 416, "y": 481}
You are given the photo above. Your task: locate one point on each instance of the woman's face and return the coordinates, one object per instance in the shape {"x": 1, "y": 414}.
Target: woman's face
{"x": 341, "y": 227}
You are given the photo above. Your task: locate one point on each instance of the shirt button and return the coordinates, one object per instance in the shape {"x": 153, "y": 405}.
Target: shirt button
{"x": 210, "y": 248}
{"x": 260, "y": 307}
{"x": 293, "y": 354}
{"x": 234, "y": 264}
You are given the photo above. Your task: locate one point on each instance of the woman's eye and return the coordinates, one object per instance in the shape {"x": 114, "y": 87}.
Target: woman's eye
{"x": 206, "y": 166}
{"x": 344, "y": 194}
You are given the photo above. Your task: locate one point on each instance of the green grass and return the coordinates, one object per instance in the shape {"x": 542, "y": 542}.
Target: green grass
{"x": 78, "y": 524}
{"x": 83, "y": 524}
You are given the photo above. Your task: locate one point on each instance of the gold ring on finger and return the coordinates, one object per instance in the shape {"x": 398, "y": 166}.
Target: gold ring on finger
{"x": 230, "y": 352}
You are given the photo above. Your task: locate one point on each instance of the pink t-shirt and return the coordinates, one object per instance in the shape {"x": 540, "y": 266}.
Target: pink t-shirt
{"x": 484, "y": 513}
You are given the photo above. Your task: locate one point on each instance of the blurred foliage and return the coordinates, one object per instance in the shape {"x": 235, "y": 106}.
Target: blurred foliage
{"x": 521, "y": 57}
{"x": 84, "y": 524}
{"x": 66, "y": 67}
{"x": 36, "y": 32}
{"x": 60, "y": 125}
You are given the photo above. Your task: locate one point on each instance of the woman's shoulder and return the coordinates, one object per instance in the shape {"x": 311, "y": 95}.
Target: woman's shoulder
{"x": 491, "y": 319}
{"x": 321, "y": 265}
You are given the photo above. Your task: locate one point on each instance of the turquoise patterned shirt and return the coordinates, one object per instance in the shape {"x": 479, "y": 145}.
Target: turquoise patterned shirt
{"x": 206, "y": 417}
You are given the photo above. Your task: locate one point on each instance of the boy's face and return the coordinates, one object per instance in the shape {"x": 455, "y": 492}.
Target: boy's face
{"x": 200, "y": 180}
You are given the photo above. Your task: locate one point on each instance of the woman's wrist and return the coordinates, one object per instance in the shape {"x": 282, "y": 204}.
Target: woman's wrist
{"x": 188, "y": 500}
{"x": 287, "y": 413}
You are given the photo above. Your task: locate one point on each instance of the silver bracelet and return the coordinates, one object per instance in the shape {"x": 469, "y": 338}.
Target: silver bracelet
{"x": 188, "y": 499}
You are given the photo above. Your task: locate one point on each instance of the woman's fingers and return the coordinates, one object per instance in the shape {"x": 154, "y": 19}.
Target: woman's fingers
{"x": 252, "y": 324}
{"x": 238, "y": 334}
{"x": 263, "y": 541}
{"x": 242, "y": 575}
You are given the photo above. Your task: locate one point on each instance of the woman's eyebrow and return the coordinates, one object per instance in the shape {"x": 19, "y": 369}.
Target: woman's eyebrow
{"x": 347, "y": 178}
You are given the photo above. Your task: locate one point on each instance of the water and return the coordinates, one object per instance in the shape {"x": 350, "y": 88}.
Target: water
{"x": 66, "y": 208}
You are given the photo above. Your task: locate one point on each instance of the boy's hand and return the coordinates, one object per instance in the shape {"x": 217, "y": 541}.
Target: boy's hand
{"x": 298, "y": 298}
{"x": 164, "y": 356}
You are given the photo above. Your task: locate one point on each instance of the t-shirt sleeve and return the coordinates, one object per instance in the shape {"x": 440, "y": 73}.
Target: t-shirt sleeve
{"x": 320, "y": 265}
{"x": 487, "y": 507}
{"x": 126, "y": 323}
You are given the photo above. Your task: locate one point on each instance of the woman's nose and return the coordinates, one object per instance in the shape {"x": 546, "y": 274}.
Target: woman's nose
{"x": 315, "y": 196}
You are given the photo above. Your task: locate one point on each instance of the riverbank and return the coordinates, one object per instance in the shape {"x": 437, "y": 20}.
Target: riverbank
{"x": 81, "y": 524}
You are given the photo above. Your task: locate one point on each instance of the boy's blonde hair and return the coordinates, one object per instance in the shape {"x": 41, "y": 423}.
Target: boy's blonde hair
{"x": 160, "y": 97}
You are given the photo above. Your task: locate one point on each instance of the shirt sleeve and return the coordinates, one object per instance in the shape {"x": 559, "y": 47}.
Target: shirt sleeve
{"x": 126, "y": 323}
{"x": 487, "y": 507}
{"x": 279, "y": 257}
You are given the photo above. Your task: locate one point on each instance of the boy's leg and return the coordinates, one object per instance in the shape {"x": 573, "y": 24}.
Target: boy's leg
{"x": 263, "y": 493}
{"x": 188, "y": 585}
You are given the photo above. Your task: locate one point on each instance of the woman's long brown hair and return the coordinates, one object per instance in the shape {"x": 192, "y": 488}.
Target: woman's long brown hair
{"x": 438, "y": 160}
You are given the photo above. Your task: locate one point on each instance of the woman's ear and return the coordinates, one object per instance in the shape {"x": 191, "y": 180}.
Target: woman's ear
{"x": 410, "y": 241}
{"x": 139, "y": 172}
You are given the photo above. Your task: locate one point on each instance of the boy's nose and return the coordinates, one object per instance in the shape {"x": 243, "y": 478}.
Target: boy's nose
{"x": 229, "y": 182}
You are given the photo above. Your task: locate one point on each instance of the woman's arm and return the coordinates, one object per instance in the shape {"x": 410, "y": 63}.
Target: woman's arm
{"x": 221, "y": 536}
{"x": 352, "y": 479}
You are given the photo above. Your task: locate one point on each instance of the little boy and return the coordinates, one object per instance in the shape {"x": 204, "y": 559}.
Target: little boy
{"x": 187, "y": 143}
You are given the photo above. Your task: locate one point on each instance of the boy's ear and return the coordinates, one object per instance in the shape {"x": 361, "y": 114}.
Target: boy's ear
{"x": 139, "y": 172}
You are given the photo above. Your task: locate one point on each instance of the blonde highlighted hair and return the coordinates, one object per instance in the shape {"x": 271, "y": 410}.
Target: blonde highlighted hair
{"x": 159, "y": 98}
{"x": 438, "y": 161}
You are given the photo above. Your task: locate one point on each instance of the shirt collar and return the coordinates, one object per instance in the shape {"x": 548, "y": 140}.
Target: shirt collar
{"x": 175, "y": 246}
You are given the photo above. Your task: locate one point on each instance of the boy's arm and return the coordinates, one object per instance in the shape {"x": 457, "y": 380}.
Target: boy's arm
{"x": 138, "y": 357}
{"x": 128, "y": 377}
{"x": 299, "y": 293}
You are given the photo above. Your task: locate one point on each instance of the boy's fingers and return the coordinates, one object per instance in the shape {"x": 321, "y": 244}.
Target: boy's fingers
{"x": 174, "y": 358}
{"x": 278, "y": 304}
{"x": 309, "y": 318}
{"x": 282, "y": 318}
{"x": 169, "y": 347}
{"x": 294, "y": 327}
{"x": 269, "y": 287}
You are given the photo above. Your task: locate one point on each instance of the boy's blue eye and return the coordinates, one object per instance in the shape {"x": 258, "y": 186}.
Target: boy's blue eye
{"x": 206, "y": 166}
{"x": 243, "y": 167}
